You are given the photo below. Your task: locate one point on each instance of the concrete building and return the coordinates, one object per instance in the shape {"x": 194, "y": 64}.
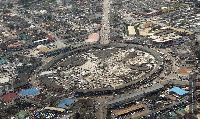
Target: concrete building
{"x": 162, "y": 42}
{"x": 184, "y": 73}
{"x": 131, "y": 30}
{"x": 5, "y": 86}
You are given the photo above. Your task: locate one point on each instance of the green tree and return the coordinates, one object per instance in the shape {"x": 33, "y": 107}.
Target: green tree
{"x": 198, "y": 56}
{"x": 127, "y": 32}
{"x": 137, "y": 30}
{"x": 197, "y": 4}
{"x": 49, "y": 18}
{"x": 10, "y": 5}
{"x": 5, "y": 11}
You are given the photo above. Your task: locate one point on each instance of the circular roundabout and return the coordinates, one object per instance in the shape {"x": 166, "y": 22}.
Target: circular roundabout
{"x": 102, "y": 67}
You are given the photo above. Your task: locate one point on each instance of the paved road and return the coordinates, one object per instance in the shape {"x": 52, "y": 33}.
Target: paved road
{"x": 172, "y": 75}
{"x": 102, "y": 111}
{"x": 105, "y": 29}
{"x": 35, "y": 83}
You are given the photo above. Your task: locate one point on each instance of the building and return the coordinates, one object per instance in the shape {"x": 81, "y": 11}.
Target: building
{"x": 178, "y": 91}
{"x": 131, "y": 30}
{"x": 184, "y": 73}
{"x": 30, "y": 92}
{"x": 64, "y": 103}
{"x": 43, "y": 41}
{"x": 2, "y": 61}
{"x": 130, "y": 109}
{"x": 50, "y": 83}
{"x": 181, "y": 113}
{"x": 162, "y": 42}
{"x": 5, "y": 86}
{"x": 9, "y": 98}
{"x": 22, "y": 114}
{"x": 16, "y": 46}
{"x": 133, "y": 96}
{"x": 165, "y": 37}
{"x": 147, "y": 24}
{"x": 22, "y": 67}
{"x": 54, "y": 109}
{"x": 52, "y": 49}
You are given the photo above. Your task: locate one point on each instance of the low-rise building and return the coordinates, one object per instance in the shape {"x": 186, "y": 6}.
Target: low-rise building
{"x": 131, "y": 30}
{"x": 178, "y": 91}
{"x": 5, "y": 86}
{"x": 162, "y": 42}
{"x": 184, "y": 73}
{"x": 9, "y": 98}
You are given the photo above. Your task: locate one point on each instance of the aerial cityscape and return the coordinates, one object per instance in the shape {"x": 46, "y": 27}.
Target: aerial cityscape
{"x": 100, "y": 59}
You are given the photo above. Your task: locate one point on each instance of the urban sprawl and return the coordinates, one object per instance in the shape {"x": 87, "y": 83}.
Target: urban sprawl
{"x": 99, "y": 59}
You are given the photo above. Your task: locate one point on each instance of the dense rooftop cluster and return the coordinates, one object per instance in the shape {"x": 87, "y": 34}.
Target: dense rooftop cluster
{"x": 97, "y": 59}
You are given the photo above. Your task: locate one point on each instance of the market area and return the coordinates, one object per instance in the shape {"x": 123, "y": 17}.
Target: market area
{"x": 110, "y": 66}
{"x": 100, "y": 59}
{"x": 95, "y": 69}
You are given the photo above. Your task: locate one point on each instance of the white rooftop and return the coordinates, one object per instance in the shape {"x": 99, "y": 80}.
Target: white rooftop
{"x": 47, "y": 72}
{"x": 131, "y": 30}
{"x": 4, "y": 79}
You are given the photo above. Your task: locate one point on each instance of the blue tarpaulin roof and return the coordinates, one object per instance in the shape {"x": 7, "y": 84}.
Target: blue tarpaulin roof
{"x": 178, "y": 91}
{"x": 181, "y": 112}
{"x": 2, "y": 61}
{"x": 65, "y": 102}
{"x": 29, "y": 92}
